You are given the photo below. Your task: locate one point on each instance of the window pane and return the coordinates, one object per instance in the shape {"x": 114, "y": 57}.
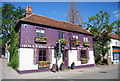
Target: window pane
{"x": 60, "y": 35}
{"x": 44, "y": 58}
{"x": 73, "y": 36}
{"x": 37, "y": 34}
{"x": 40, "y": 59}
{"x": 41, "y": 34}
{"x": 76, "y": 37}
{"x": 40, "y": 53}
{"x": 86, "y": 39}
{"x": 38, "y": 30}
{"x": 42, "y": 31}
{"x": 83, "y": 54}
{"x": 44, "y": 52}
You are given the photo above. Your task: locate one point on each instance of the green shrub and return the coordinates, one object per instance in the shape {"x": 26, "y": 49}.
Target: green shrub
{"x": 45, "y": 62}
{"x": 86, "y": 42}
{"x": 83, "y": 59}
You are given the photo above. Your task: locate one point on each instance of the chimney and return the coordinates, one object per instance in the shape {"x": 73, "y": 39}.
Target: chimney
{"x": 28, "y": 10}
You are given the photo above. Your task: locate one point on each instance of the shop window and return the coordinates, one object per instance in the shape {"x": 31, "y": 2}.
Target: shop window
{"x": 42, "y": 55}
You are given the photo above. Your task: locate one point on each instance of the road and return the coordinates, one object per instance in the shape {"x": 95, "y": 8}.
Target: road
{"x": 97, "y": 72}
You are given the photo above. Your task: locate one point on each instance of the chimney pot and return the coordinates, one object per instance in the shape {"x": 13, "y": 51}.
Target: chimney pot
{"x": 28, "y": 10}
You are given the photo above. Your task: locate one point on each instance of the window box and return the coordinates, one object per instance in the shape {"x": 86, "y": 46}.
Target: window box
{"x": 87, "y": 44}
{"x": 40, "y": 39}
{"x": 76, "y": 43}
{"x": 43, "y": 64}
{"x": 63, "y": 41}
{"x": 84, "y": 60}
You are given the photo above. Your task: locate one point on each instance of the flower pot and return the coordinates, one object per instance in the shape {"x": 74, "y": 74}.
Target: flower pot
{"x": 87, "y": 45}
{"x": 83, "y": 62}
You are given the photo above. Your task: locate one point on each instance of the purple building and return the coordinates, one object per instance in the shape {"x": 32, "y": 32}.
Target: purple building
{"x": 38, "y": 36}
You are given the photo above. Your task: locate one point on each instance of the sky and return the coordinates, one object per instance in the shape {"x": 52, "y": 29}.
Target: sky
{"x": 58, "y": 10}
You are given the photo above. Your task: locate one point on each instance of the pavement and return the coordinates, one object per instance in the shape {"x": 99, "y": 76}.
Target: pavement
{"x": 97, "y": 72}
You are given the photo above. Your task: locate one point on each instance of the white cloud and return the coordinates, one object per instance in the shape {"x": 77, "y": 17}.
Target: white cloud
{"x": 115, "y": 11}
{"x": 117, "y": 14}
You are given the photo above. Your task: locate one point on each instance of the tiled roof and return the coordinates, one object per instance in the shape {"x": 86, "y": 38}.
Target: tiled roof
{"x": 115, "y": 36}
{"x": 34, "y": 18}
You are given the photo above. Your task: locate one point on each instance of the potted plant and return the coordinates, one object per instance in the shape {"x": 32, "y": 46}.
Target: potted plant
{"x": 76, "y": 42}
{"x": 44, "y": 64}
{"x": 62, "y": 66}
{"x": 86, "y": 43}
{"x": 63, "y": 41}
{"x": 83, "y": 60}
{"x": 40, "y": 39}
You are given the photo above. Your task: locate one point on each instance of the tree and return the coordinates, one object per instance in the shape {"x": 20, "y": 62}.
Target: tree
{"x": 101, "y": 28}
{"x": 117, "y": 32}
{"x": 0, "y": 20}
{"x": 10, "y": 17}
{"x": 74, "y": 16}
{"x": 117, "y": 23}
{"x": 14, "y": 50}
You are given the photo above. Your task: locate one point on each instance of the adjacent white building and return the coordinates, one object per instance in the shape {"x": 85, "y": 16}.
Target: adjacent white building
{"x": 115, "y": 48}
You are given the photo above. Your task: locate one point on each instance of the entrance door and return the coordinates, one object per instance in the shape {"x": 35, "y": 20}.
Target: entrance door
{"x": 65, "y": 58}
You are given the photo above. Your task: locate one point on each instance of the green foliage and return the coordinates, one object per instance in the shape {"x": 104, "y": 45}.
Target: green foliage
{"x": 117, "y": 32}
{"x": 117, "y": 23}
{"x": 100, "y": 26}
{"x": 83, "y": 59}
{"x": 45, "y": 62}
{"x": 77, "y": 41}
{"x": 14, "y": 62}
{"x": 99, "y": 62}
{"x": 10, "y": 17}
{"x": 63, "y": 40}
{"x": 86, "y": 42}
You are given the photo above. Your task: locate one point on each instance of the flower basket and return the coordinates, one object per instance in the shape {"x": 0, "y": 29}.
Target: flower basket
{"x": 86, "y": 44}
{"x": 43, "y": 64}
{"x": 83, "y": 60}
{"x": 40, "y": 39}
{"x": 76, "y": 43}
{"x": 63, "y": 41}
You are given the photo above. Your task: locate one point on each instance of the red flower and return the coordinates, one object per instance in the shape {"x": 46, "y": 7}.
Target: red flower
{"x": 41, "y": 38}
{"x": 35, "y": 37}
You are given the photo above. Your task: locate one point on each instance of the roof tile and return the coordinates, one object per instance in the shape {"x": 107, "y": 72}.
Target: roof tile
{"x": 34, "y": 18}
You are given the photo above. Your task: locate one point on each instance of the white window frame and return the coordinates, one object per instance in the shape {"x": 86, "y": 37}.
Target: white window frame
{"x": 75, "y": 36}
{"x": 85, "y": 39}
{"x": 40, "y": 31}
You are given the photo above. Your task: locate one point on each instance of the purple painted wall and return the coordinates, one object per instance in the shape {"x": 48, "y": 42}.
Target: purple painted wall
{"x": 28, "y": 33}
